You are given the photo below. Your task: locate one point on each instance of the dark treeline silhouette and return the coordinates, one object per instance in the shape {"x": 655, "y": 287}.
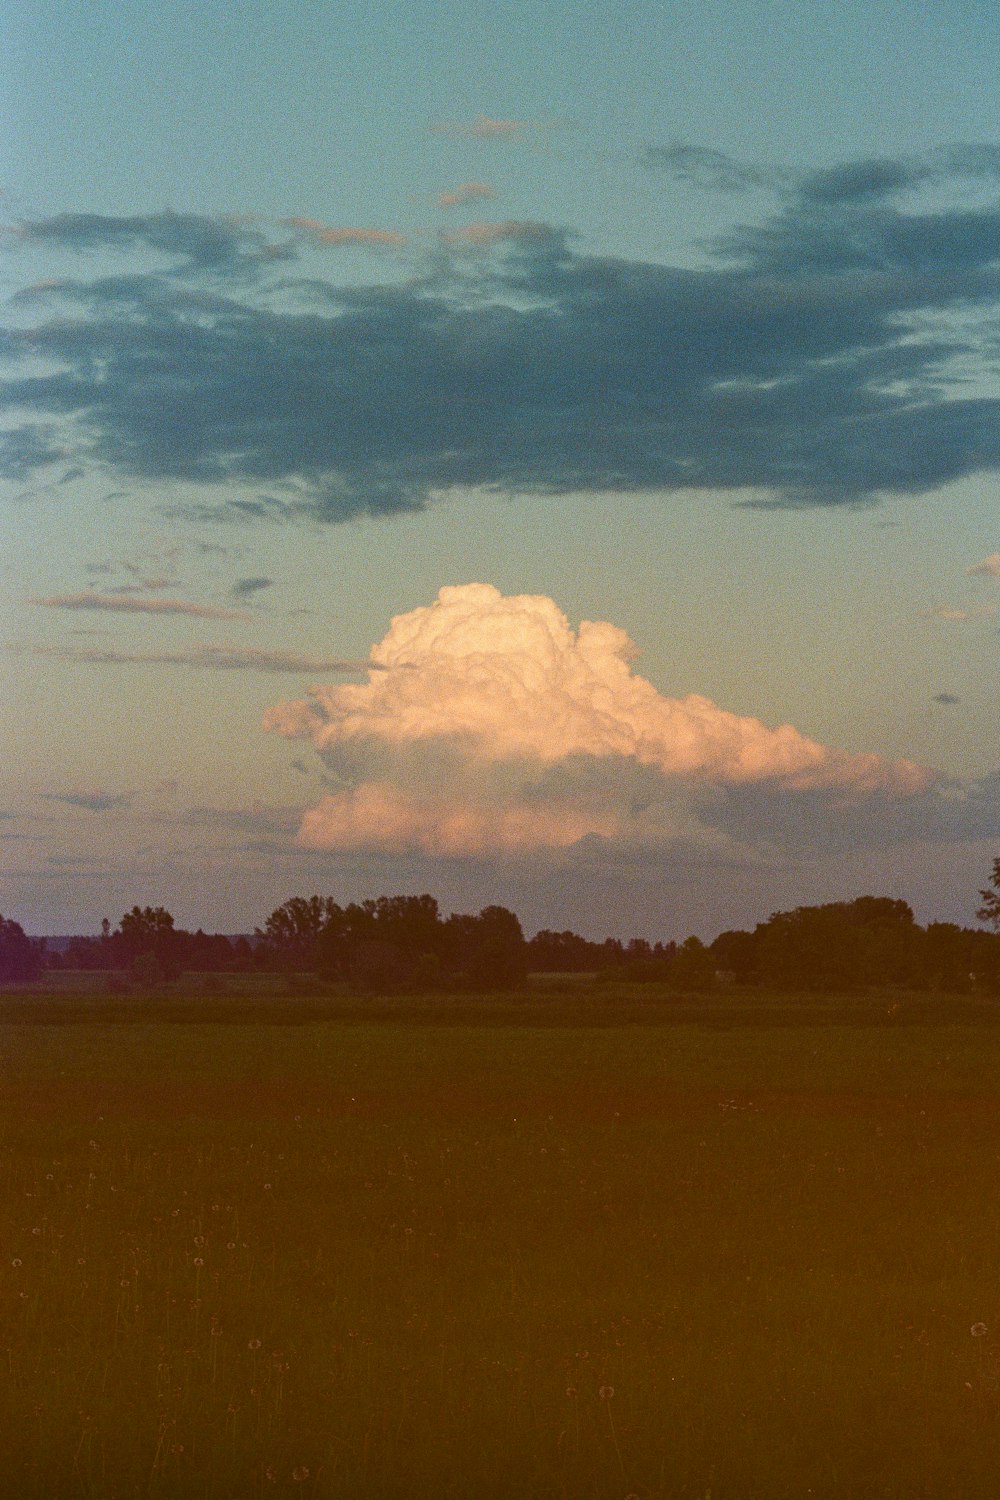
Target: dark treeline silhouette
{"x": 147, "y": 945}
{"x": 846, "y": 945}
{"x": 397, "y": 943}
{"x": 568, "y": 953}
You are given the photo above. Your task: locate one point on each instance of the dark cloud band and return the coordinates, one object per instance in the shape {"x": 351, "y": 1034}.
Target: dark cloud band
{"x": 820, "y": 360}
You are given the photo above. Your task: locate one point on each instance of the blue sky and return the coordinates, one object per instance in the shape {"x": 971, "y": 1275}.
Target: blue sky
{"x": 676, "y": 319}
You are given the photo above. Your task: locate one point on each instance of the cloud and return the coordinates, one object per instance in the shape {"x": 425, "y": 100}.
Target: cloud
{"x": 494, "y": 726}
{"x": 466, "y": 192}
{"x": 94, "y": 801}
{"x": 841, "y": 349}
{"x": 988, "y": 568}
{"x": 953, "y": 614}
{"x": 701, "y": 167}
{"x": 375, "y": 815}
{"x": 245, "y": 588}
{"x": 861, "y": 181}
{"x": 885, "y": 176}
{"x": 141, "y": 586}
{"x": 143, "y": 580}
{"x": 27, "y": 448}
{"x": 492, "y": 234}
{"x": 489, "y": 128}
{"x": 126, "y": 603}
{"x": 213, "y": 658}
{"x": 274, "y": 820}
{"x": 325, "y": 234}
{"x": 820, "y": 827}
{"x": 878, "y": 177}
{"x": 202, "y": 242}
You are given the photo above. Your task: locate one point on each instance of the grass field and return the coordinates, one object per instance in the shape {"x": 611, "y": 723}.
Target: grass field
{"x": 499, "y": 1260}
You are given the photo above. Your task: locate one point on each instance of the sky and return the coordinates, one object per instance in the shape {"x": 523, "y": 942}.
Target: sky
{"x": 535, "y": 454}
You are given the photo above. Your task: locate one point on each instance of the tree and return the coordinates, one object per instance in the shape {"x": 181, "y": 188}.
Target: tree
{"x": 990, "y": 909}
{"x": 844, "y": 944}
{"x": 143, "y": 927}
{"x": 149, "y": 930}
{"x": 20, "y": 956}
{"x": 735, "y": 952}
{"x": 290, "y": 933}
{"x": 499, "y": 955}
{"x": 563, "y": 953}
{"x": 693, "y": 967}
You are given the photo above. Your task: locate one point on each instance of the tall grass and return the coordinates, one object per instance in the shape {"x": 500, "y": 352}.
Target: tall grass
{"x": 404, "y": 1261}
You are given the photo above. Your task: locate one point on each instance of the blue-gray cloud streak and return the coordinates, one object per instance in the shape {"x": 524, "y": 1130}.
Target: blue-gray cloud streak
{"x": 838, "y": 350}
{"x": 211, "y": 658}
{"x": 222, "y": 243}
{"x": 245, "y": 588}
{"x": 90, "y": 801}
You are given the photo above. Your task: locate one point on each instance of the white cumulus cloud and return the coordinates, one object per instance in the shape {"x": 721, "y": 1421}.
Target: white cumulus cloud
{"x": 488, "y": 725}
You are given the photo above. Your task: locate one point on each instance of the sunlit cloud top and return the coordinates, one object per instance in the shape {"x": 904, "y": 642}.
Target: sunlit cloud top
{"x": 490, "y": 683}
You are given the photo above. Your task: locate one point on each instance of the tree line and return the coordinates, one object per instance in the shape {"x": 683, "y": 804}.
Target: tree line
{"x": 406, "y": 943}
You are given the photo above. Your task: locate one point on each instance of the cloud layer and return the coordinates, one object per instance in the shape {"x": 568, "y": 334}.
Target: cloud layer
{"x": 215, "y": 658}
{"x": 841, "y": 347}
{"x": 492, "y": 726}
{"x": 127, "y": 603}
{"x": 490, "y": 128}
{"x": 93, "y": 801}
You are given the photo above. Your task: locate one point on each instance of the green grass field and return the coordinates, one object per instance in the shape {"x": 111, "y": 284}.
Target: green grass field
{"x": 491, "y": 1260}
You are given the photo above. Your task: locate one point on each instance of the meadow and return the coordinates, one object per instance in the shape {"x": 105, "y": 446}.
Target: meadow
{"x": 539, "y": 1249}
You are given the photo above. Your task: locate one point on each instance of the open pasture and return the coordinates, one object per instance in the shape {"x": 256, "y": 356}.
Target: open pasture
{"x": 404, "y": 1260}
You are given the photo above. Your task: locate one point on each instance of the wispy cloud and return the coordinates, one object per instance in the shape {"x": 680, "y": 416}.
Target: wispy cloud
{"x": 954, "y": 613}
{"x": 142, "y": 586}
{"x": 859, "y": 183}
{"x": 92, "y": 801}
{"x": 988, "y": 568}
{"x": 492, "y": 128}
{"x": 202, "y": 242}
{"x": 329, "y": 234}
{"x": 275, "y": 820}
{"x": 213, "y": 658}
{"x": 492, "y": 234}
{"x": 245, "y": 588}
{"x": 134, "y": 605}
{"x": 701, "y": 167}
{"x": 466, "y": 192}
